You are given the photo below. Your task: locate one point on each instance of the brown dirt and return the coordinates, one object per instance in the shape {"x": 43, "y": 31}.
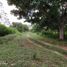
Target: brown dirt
{"x": 63, "y": 47}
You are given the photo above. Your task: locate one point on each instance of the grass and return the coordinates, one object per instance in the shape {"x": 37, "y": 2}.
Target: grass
{"x": 49, "y": 44}
{"x": 55, "y": 41}
{"x": 51, "y": 47}
{"x": 18, "y": 51}
{"x": 52, "y": 37}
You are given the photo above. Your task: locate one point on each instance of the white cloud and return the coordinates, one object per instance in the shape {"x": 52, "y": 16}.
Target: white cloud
{"x": 7, "y": 10}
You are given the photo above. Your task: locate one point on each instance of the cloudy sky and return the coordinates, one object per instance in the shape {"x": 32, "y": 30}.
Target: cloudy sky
{"x": 7, "y": 10}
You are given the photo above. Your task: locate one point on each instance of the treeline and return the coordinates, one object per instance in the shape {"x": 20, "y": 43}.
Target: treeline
{"x": 14, "y": 28}
{"x": 44, "y": 13}
{"x": 20, "y": 27}
{"x": 48, "y": 32}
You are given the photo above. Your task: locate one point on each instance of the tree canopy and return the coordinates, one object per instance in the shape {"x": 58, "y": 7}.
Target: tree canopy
{"x": 50, "y": 13}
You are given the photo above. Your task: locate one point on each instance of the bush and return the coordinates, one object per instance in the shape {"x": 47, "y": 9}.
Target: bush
{"x": 6, "y": 30}
{"x": 51, "y": 34}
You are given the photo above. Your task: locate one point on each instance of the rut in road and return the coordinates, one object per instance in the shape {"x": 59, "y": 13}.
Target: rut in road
{"x": 30, "y": 42}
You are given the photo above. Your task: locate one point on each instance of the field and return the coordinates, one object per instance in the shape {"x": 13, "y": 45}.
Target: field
{"x": 27, "y": 50}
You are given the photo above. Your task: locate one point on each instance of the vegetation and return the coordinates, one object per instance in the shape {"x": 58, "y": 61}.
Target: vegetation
{"x": 16, "y": 28}
{"x": 20, "y": 27}
{"x": 51, "y": 14}
{"x": 45, "y": 45}
{"x": 17, "y": 51}
{"x": 7, "y": 30}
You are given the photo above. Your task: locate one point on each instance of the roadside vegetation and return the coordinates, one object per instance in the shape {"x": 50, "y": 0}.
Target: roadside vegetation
{"x": 50, "y": 36}
{"x": 27, "y": 49}
{"x": 15, "y": 28}
{"x": 42, "y": 45}
{"x": 20, "y": 27}
{"x": 20, "y": 51}
{"x": 7, "y": 30}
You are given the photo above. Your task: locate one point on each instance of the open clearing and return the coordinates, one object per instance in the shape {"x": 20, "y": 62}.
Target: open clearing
{"x": 22, "y": 51}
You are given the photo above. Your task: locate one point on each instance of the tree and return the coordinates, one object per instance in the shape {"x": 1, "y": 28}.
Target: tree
{"x": 50, "y": 13}
{"x": 20, "y": 27}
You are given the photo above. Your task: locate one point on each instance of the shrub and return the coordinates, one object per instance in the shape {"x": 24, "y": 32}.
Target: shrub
{"x": 6, "y": 30}
{"x": 50, "y": 34}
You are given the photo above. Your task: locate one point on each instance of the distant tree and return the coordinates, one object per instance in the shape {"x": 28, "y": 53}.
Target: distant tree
{"x": 25, "y": 28}
{"x": 20, "y": 27}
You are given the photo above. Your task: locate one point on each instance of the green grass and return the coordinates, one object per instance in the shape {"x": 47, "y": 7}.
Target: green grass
{"x": 49, "y": 44}
{"x": 53, "y": 38}
{"x": 17, "y": 51}
{"x": 54, "y": 41}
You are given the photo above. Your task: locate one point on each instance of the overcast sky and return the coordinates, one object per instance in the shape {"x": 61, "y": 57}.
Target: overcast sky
{"x": 7, "y": 10}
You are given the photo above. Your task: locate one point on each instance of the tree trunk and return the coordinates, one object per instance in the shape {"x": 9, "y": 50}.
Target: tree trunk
{"x": 61, "y": 31}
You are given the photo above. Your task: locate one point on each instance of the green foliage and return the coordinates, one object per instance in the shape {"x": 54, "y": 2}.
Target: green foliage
{"x": 51, "y": 13}
{"x": 25, "y": 28}
{"x": 36, "y": 28}
{"x": 6, "y": 30}
{"x": 20, "y": 27}
{"x": 50, "y": 34}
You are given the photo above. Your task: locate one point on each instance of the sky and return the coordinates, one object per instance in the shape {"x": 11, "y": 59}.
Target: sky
{"x": 7, "y": 10}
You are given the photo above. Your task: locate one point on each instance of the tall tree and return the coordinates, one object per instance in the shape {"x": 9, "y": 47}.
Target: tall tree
{"x": 50, "y": 13}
